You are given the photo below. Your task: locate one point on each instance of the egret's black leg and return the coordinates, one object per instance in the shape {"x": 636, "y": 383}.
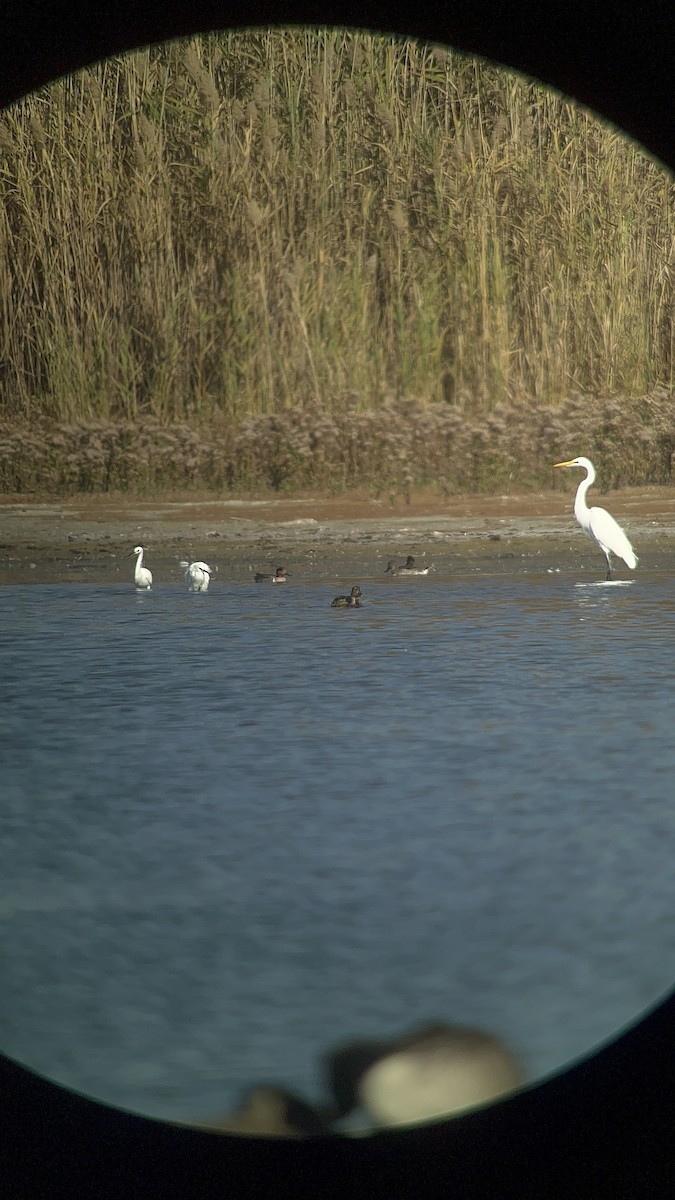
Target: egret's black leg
{"x": 608, "y": 576}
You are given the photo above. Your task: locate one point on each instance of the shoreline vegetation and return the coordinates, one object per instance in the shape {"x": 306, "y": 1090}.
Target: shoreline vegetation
{"x": 391, "y": 452}
{"x": 316, "y": 259}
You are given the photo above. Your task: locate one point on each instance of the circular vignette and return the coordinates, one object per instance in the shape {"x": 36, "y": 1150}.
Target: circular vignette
{"x": 604, "y": 1125}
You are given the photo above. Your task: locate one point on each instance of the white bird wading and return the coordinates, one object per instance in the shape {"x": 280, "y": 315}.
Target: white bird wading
{"x": 597, "y": 522}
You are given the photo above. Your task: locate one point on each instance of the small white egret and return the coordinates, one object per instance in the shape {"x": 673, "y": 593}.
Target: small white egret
{"x": 597, "y": 522}
{"x": 198, "y": 575}
{"x": 142, "y": 576}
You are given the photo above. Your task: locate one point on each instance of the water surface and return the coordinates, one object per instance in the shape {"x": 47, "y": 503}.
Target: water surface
{"x": 239, "y": 827}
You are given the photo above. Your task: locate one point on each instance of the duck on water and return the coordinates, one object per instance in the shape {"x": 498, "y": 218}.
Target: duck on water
{"x": 406, "y": 568}
{"x": 280, "y": 576}
{"x": 353, "y": 600}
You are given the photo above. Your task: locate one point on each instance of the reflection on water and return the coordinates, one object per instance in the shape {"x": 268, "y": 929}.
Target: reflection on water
{"x": 240, "y": 827}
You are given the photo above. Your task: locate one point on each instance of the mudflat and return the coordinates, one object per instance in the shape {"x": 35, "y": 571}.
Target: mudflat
{"x": 45, "y": 539}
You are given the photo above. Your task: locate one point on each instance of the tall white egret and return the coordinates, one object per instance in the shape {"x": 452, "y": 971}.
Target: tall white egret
{"x": 142, "y": 576}
{"x": 198, "y": 575}
{"x": 597, "y": 522}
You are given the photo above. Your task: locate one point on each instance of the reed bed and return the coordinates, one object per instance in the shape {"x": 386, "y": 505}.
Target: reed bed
{"x": 221, "y": 258}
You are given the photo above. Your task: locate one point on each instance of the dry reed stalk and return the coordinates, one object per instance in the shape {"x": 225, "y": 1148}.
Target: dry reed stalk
{"x": 452, "y": 232}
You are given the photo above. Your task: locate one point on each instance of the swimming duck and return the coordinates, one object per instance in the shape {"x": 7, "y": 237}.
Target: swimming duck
{"x": 436, "y": 1070}
{"x": 392, "y": 569}
{"x": 142, "y": 576}
{"x": 198, "y": 575}
{"x": 409, "y": 568}
{"x": 279, "y": 576}
{"x": 351, "y": 601}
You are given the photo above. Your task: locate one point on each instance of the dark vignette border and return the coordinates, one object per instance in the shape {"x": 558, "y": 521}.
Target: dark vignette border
{"x": 604, "y": 1128}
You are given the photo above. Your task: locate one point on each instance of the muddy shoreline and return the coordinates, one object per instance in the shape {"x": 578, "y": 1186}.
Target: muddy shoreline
{"x": 45, "y": 540}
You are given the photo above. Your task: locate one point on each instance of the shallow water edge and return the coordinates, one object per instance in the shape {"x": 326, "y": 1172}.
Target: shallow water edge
{"x": 59, "y": 540}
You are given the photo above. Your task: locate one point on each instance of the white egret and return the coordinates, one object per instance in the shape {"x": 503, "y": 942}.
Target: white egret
{"x": 597, "y": 522}
{"x": 198, "y": 575}
{"x": 142, "y": 576}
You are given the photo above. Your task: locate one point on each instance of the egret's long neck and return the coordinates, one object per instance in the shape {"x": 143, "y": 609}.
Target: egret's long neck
{"x": 581, "y": 510}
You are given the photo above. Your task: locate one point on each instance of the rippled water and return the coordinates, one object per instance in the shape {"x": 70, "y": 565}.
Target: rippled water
{"x": 239, "y": 827}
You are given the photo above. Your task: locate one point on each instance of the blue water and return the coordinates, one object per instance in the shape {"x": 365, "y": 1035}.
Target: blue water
{"x": 237, "y": 828}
